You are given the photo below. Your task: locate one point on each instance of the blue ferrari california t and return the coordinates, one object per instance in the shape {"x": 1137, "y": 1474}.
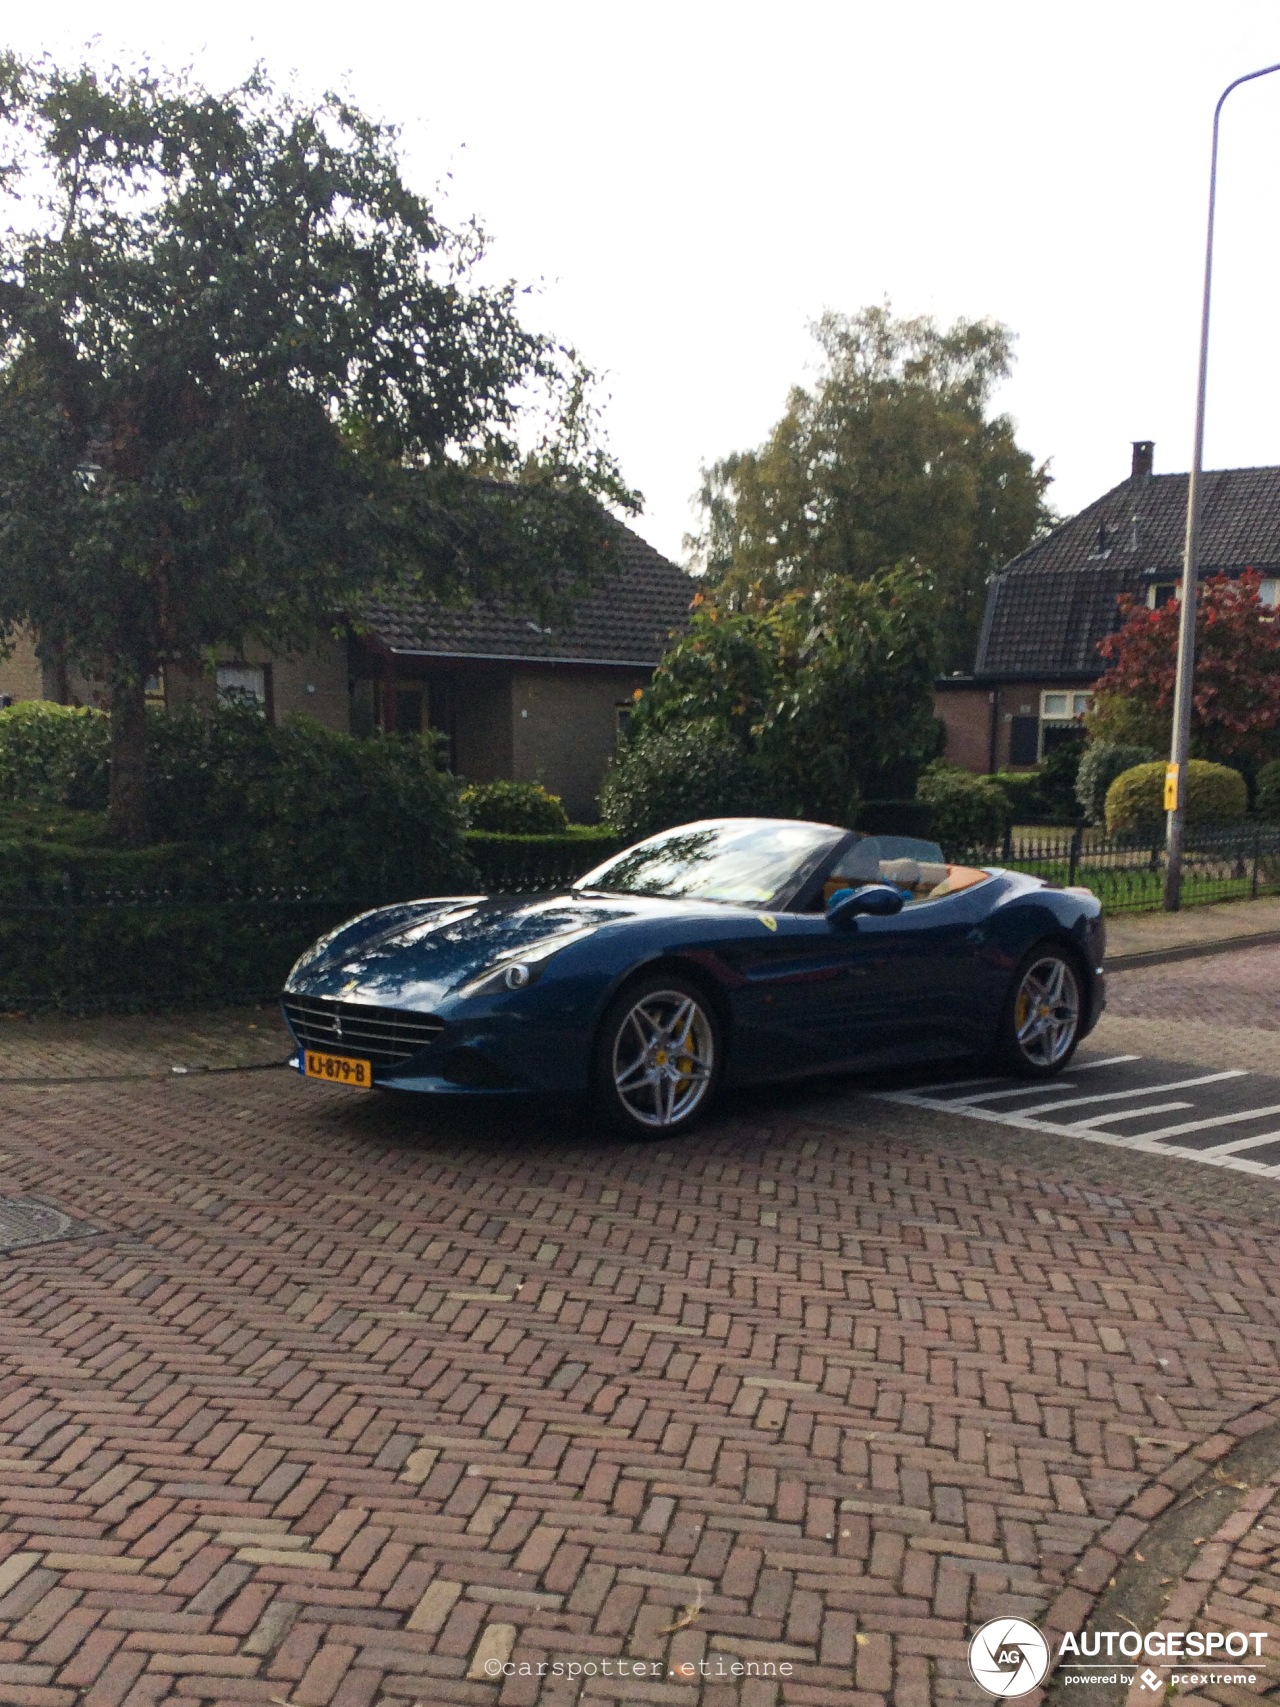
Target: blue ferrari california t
{"x": 732, "y": 951}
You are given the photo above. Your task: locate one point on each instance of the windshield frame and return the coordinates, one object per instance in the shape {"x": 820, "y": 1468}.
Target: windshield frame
{"x": 799, "y": 881}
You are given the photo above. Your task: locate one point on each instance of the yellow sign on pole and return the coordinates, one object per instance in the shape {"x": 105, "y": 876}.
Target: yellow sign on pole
{"x": 1171, "y": 782}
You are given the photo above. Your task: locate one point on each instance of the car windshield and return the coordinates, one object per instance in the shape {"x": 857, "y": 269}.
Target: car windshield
{"x": 750, "y": 861}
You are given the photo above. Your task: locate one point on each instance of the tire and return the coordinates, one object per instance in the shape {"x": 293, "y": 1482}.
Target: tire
{"x": 641, "y": 1087}
{"x": 1048, "y": 978}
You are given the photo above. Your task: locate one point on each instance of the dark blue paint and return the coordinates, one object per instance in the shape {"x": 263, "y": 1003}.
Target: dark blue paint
{"x": 927, "y": 983}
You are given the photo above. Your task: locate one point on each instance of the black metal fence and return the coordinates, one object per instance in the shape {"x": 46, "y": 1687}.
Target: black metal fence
{"x": 1221, "y": 862}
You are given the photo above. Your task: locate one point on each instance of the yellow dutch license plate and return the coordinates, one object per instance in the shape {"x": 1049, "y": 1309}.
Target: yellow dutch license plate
{"x": 338, "y": 1069}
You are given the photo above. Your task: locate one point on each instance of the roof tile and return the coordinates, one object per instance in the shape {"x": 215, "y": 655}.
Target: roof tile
{"x": 1050, "y": 607}
{"x": 626, "y": 618}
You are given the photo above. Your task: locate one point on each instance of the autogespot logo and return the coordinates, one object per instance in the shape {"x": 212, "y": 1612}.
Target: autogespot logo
{"x": 1008, "y": 1657}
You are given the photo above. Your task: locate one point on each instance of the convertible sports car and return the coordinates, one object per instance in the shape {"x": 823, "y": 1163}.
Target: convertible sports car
{"x": 735, "y": 950}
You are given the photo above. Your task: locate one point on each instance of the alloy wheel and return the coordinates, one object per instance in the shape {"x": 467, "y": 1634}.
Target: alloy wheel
{"x": 663, "y": 1058}
{"x": 1046, "y": 1011}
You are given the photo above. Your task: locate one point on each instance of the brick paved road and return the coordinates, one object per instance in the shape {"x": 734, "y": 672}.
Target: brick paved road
{"x": 1222, "y": 1011}
{"x": 346, "y": 1400}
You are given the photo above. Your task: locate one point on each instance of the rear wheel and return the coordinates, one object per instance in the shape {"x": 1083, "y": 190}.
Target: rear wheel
{"x": 659, "y": 1057}
{"x": 1040, "y": 1026}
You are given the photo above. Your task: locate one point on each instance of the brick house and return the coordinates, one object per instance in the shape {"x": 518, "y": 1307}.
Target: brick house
{"x": 513, "y": 697}
{"x": 1037, "y": 659}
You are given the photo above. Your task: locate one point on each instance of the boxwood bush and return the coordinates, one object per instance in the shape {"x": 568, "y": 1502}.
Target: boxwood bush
{"x": 513, "y": 808}
{"x": 969, "y": 812}
{"x": 1102, "y": 763}
{"x": 1215, "y": 794}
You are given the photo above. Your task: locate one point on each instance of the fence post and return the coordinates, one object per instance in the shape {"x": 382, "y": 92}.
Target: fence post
{"x": 1073, "y": 860}
{"x": 1006, "y": 848}
{"x": 1257, "y": 854}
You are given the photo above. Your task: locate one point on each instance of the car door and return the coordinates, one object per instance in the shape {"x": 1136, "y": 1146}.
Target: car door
{"x": 914, "y": 977}
{"x": 806, "y": 996}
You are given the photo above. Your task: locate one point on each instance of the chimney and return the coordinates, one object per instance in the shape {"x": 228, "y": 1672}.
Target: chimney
{"x": 1144, "y": 453}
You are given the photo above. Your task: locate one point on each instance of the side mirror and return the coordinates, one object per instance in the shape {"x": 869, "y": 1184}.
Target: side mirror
{"x": 878, "y": 900}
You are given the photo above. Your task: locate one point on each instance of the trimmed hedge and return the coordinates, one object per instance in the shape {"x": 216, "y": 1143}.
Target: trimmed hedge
{"x": 1215, "y": 794}
{"x": 513, "y": 808}
{"x": 54, "y": 754}
{"x": 285, "y": 809}
{"x": 519, "y": 864}
{"x": 969, "y": 812}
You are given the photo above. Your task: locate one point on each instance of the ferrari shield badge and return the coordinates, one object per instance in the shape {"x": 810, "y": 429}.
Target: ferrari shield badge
{"x": 768, "y": 921}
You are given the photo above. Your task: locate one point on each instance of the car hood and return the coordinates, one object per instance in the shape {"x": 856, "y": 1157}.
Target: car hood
{"x": 423, "y": 951}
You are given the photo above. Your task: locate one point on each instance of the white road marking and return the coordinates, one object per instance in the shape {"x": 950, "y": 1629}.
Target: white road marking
{"x": 1142, "y": 1091}
{"x": 1017, "y": 1091}
{"x": 1213, "y": 1156}
{"x": 1077, "y": 1066}
{"x": 1233, "y": 1146}
{"x": 1214, "y": 1120}
{"x": 1130, "y": 1113}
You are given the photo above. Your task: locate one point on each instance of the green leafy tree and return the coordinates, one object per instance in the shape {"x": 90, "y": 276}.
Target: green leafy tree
{"x": 891, "y": 455}
{"x": 826, "y": 692}
{"x": 245, "y": 376}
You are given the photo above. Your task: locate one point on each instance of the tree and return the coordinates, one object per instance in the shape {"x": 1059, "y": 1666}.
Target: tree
{"x": 246, "y": 375}
{"x": 827, "y": 692}
{"x": 1235, "y": 708}
{"x": 892, "y": 455}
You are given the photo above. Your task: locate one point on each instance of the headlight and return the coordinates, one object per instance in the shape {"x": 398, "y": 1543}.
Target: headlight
{"x": 518, "y": 972}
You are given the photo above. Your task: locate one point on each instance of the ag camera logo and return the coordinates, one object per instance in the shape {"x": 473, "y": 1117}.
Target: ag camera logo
{"x": 1008, "y": 1657}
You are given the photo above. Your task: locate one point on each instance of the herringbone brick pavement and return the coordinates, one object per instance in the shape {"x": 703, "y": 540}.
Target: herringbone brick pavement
{"x": 346, "y": 1401}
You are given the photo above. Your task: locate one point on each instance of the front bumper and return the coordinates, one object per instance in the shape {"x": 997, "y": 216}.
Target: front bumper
{"x": 483, "y": 1055}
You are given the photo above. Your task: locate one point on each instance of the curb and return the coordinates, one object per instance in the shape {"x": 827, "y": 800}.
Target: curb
{"x": 1201, "y": 1489}
{"x": 1188, "y": 951}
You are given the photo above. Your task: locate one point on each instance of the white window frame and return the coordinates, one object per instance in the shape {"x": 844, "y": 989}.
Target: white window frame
{"x": 1075, "y": 703}
{"x": 242, "y": 684}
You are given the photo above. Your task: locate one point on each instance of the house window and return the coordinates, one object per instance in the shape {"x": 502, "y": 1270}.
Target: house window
{"x": 622, "y": 714}
{"x": 1060, "y": 714}
{"x": 1269, "y": 592}
{"x": 244, "y": 684}
{"x": 154, "y": 689}
{"x": 1064, "y": 707}
{"x": 1160, "y": 592}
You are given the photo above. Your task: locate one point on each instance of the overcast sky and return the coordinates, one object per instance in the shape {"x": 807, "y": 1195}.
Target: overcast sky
{"x": 691, "y": 184}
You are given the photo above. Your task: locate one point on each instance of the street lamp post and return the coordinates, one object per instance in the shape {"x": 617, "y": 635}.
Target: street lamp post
{"x": 1175, "y": 789}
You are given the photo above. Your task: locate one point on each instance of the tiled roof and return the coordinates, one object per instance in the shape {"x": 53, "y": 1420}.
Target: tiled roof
{"x": 626, "y": 618}
{"x": 1049, "y": 608}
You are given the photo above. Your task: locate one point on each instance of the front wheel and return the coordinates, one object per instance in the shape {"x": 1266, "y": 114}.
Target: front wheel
{"x": 659, "y": 1057}
{"x": 1040, "y": 1025}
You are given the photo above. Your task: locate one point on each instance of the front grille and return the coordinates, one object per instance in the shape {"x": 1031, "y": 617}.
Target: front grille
{"x": 384, "y": 1036}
